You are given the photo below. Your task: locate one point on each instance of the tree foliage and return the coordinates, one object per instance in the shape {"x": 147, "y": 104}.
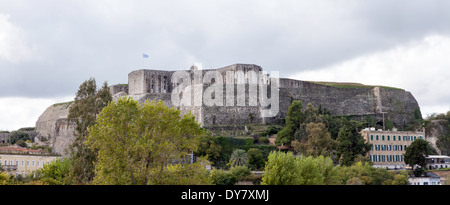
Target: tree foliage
{"x": 319, "y": 141}
{"x": 294, "y": 118}
{"x": 137, "y": 142}
{"x": 351, "y": 144}
{"x": 55, "y": 173}
{"x": 186, "y": 174}
{"x": 364, "y": 174}
{"x": 17, "y": 136}
{"x": 220, "y": 177}
{"x": 281, "y": 169}
{"x": 416, "y": 152}
{"x": 209, "y": 147}
{"x": 238, "y": 158}
{"x": 256, "y": 159}
{"x": 285, "y": 169}
{"x": 83, "y": 112}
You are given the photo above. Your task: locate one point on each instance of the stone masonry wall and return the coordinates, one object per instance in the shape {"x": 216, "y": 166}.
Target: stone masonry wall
{"x": 398, "y": 104}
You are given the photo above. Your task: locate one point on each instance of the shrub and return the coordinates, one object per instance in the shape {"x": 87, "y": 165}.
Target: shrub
{"x": 240, "y": 172}
{"x": 220, "y": 177}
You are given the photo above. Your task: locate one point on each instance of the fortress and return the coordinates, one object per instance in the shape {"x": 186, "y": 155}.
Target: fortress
{"x": 242, "y": 100}
{"x": 357, "y": 100}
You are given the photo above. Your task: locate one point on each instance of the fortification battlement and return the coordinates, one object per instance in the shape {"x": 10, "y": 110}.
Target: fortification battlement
{"x": 147, "y": 81}
{"x": 340, "y": 99}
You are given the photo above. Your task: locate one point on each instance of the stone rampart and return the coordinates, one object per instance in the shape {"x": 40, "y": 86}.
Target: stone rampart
{"x": 397, "y": 105}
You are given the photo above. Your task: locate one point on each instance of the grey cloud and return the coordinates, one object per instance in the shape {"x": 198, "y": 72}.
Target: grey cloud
{"x": 105, "y": 40}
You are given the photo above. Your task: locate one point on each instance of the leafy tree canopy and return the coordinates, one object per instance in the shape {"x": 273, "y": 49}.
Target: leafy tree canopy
{"x": 137, "y": 143}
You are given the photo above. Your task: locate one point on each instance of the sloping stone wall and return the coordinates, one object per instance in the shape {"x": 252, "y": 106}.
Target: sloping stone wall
{"x": 53, "y": 126}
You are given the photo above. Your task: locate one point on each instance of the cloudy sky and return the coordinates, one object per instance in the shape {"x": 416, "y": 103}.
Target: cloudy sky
{"x": 48, "y": 48}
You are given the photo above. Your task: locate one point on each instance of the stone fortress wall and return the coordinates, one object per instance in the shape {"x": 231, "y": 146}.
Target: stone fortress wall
{"x": 397, "y": 105}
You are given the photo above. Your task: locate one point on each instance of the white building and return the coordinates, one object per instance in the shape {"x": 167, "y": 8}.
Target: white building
{"x": 437, "y": 161}
{"x": 428, "y": 179}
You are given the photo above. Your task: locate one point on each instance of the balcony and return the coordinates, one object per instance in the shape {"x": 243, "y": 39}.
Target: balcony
{"x": 9, "y": 167}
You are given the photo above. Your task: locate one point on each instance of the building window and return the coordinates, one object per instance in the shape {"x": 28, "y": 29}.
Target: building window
{"x": 22, "y": 164}
{"x": 388, "y": 137}
{"x": 371, "y": 137}
{"x": 382, "y": 137}
{"x": 377, "y": 137}
{"x": 393, "y": 137}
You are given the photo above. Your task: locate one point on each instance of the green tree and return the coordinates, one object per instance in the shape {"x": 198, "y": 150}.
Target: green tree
{"x": 351, "y": 144}
{"x": 209, "y": 147}
{"x": 186, "y": 174}
{"x": 416, "y": 152}
{"x": 364, "y": 174}
{"x": 220, "y": 177}
{"x": 17, "y": 136}
{"x": 240, "y": 171}
{"x": 55, "y": 173}
{"x": 83, "y": 112}
{"x": 238, "y": 158}
{"x": 4, "y": 178}
{"x": 294, "y": 118}
{"x": 281, "y": 169}
{"x": 317, "y": 170}
{"x": 255, "y": 159}
{"x": 136, "y": 142}
{"x": 319, "y": 141}
{"x": 285, "y": 169}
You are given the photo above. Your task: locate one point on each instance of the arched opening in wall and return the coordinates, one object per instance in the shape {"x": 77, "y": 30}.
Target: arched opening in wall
{"x": 213, "y": 80}
{"x": 214, "y": 120}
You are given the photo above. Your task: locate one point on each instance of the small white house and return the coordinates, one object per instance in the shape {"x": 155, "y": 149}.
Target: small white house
{"x": 437, "y": 161}
{"x": 428, "y": 179}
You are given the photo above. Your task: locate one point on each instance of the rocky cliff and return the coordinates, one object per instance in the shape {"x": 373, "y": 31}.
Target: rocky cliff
{"x": 350, "y": 99}
{"x": 54, "y": 129}
{"x": 436, "y": 130}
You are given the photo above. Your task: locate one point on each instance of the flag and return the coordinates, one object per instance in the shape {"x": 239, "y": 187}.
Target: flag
{"x": 145, "y": 55}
